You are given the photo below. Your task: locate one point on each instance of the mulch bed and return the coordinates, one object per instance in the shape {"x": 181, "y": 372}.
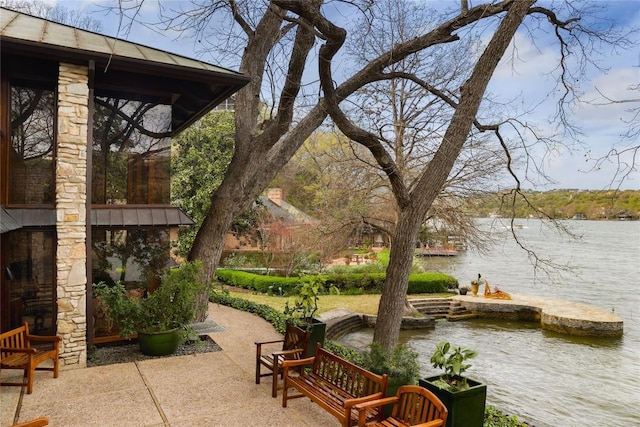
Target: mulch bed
{"x": 129, "y": 352}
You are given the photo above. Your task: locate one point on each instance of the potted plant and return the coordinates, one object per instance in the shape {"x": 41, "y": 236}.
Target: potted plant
{"x": 464, "y": 398}
{"x": 401, "y": 365}
{"x": 161, "y": 318}
{"x": 302, "y": 313}
{"x": 463, "y": 290}
{"x": 475, "y": 285}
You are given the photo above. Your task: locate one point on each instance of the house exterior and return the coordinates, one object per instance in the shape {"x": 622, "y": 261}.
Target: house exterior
{"x": 85, "y": 127}
{"x": 278, "y": 226}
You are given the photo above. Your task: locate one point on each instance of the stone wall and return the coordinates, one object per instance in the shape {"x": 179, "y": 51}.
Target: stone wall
{"x": 71, "y": 192}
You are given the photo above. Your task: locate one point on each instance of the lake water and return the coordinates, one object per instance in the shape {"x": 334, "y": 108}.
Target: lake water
{"x": 550, "y": 379}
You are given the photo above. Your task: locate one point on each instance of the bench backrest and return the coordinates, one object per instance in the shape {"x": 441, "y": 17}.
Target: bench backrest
{"x": 15, "y": 338}
{"x": 350, "y": 378}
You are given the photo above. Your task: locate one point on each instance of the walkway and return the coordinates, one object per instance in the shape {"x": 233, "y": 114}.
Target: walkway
{"x": 210, "y": 389}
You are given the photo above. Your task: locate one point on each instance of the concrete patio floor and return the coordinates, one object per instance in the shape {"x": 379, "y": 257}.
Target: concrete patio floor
{"x": 207, "y": 389}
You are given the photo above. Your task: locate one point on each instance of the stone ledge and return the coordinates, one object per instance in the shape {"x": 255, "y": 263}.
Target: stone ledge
{"x": 553, "y": 314}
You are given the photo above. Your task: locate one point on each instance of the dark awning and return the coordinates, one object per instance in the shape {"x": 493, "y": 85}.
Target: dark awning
{"x": 7, "y": 222}
{"x": 139, "y": 216}
{"x": 13, "y": 219}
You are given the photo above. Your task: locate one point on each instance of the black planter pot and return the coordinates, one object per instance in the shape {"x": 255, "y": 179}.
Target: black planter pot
{"x": 159, "y": 343}
{"x": 466, "y": 407}
{"x": 318, "y": 329}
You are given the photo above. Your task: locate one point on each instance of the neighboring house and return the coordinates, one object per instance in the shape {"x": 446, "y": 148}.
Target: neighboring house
{"x": 277, "y": 227}
{"x": 86, "y": 122}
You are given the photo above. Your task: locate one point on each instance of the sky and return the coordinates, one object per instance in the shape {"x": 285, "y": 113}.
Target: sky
{"x": 524, "y": 79}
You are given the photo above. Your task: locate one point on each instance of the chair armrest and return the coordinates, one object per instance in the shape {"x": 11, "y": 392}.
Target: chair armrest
{"x": 269, "y": 342}
{"x": 434, "y": 423}
{"x": 40, "y": 338}
{"x": 361, "y": 407}
{"x": 287, "y": 352}
{"x": 18, "y": 350}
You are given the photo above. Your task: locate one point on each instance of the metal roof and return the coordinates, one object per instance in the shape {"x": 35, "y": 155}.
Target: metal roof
{"x": 192, "y": 87}
{"x": 121, "y": 216}
{"x": 7, "y": 222}
{"x": 139, "y": 216}
{"x": 27, "y": 28}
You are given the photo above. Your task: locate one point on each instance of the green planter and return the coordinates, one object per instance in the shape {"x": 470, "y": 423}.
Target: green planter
{"x": 159, "y": 343}
{"x": 466, "y": 407}
{"x": 318, "y": 329}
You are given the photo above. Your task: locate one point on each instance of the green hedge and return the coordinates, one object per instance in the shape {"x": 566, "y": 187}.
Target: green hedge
{"x": 430, "y": 283}
{"x": 258, "y": 282}
{"x": 349, "y": 284}
{"x": 276, "y": 318}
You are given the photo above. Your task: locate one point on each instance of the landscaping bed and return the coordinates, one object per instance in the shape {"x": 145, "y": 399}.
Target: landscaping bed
{"x": 129, "y": 351}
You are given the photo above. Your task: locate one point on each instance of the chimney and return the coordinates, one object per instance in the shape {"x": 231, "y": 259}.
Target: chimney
{"x": 275, "y": 195}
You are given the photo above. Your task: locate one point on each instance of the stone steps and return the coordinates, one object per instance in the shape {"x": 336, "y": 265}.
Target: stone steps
{"x": 442, "y": 308}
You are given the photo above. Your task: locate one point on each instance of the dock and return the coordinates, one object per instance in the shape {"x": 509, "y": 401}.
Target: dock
{"x": 556, "y": 315}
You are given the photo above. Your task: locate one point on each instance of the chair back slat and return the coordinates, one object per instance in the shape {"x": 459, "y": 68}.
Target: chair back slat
{"x": 418, "y": 405}
{"x": 295, "y": 337}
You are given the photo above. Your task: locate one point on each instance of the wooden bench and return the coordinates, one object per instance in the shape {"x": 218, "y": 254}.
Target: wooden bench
{"x": 17, "y": 352}
{"x": 335, "y": 384}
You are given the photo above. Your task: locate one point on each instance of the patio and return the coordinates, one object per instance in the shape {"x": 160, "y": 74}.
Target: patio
{"x": 208, "y": 389}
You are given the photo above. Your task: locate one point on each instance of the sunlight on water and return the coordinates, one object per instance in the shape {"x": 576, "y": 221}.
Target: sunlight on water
{"x": 550, "y": 379}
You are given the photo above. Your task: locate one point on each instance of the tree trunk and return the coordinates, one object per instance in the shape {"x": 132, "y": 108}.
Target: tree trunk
{"x": 412, "y": 214}
{"x": 392, "y": 300}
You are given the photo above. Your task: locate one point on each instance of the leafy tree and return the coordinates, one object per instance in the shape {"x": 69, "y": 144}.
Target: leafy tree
{"x": 274, "y": 44}
{"x": 201, "y": 156}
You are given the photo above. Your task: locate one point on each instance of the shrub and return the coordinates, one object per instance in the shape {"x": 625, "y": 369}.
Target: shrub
{"x": 258, "y": 282}
{"x": 270, "y": 314}
{"x": 429, "y": 283}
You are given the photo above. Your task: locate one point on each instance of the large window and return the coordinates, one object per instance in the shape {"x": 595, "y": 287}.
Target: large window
{"x": 137, "y": 257}
{"x": 131, "y": 152}
{"x": 32, "y": 145}
{"x": 28, "y": 280}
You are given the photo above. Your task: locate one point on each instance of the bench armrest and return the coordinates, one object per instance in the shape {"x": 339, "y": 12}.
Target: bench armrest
{"x": 299, "y": 362}
{"x": 18, "y": 350}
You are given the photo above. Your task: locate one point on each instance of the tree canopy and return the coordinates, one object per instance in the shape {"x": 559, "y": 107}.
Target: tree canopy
{"x": 295, "y": 54}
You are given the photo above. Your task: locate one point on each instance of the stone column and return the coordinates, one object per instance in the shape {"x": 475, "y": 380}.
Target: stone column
{"x": 71, "y": 215}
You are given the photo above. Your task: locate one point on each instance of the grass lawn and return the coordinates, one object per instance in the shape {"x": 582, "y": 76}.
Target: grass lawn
{"x": 366, "y": 304}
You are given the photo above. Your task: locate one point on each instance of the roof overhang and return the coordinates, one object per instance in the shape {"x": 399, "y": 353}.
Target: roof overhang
{"x": 112, "y": 216}
{"x": 192, "y": 87}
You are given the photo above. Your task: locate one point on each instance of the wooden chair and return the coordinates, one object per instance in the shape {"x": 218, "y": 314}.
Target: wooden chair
{"x": 294, "y": 345}
{"x": 412, "y": 406}
{"x": 38, "y": 422}
{"x": 17, "y": 351}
